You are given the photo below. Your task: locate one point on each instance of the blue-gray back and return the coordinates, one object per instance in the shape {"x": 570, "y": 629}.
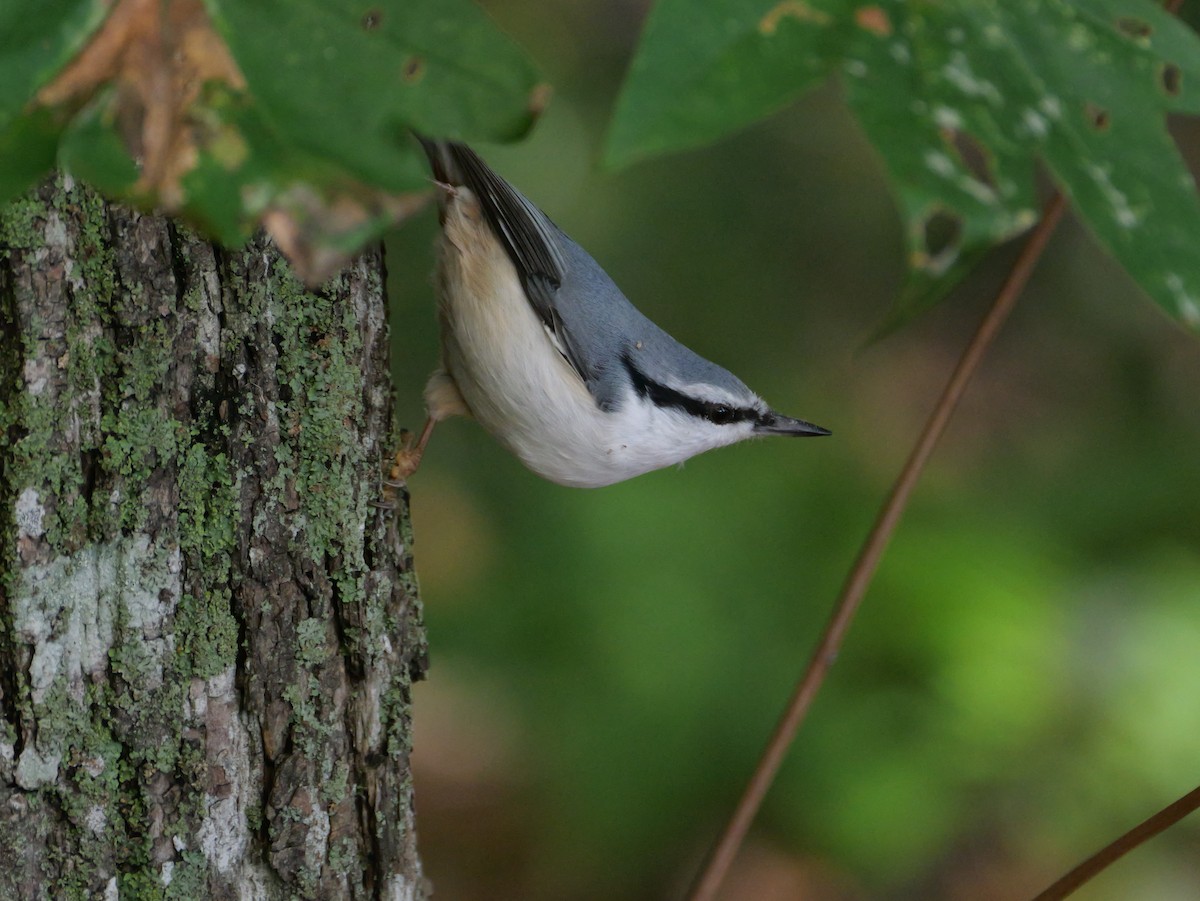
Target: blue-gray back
{"x": 600, "y": 333}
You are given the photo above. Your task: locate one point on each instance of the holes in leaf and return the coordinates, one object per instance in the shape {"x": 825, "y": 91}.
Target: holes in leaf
{"x": 372, "y": 18}
{"x": 1096, "y": 115}
{"x": 1171, "y": 78}
{"x": 974, "y": 155}
{"x": 1134, "y": 27}
{"x": 413, "y": 69}
{"x": 941, "y": 235}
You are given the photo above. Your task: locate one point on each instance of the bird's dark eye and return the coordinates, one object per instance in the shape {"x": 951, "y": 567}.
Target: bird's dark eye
{"x": 721, "y": 414}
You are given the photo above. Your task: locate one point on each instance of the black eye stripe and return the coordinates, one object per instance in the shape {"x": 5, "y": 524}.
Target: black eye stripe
{"x": 662, "y": 396}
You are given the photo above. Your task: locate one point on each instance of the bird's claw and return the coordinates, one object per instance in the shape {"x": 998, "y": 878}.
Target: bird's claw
{"x": 404, "y": 463}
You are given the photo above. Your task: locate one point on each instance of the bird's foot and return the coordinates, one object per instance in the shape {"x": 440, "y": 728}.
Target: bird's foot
{"x": 404, "y": 463}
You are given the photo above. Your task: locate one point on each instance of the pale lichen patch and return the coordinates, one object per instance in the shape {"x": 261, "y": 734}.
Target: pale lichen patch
{"x": 224, "y": 834}
{"x": 96, "y": 819}
{"x": 37, "y": 375}
{"x": 8, "y": 756}
{"x": 401, "y": 889}
{"x": 56, "y": 230}
{"x": 66, "y": 610}
{"x": 316, "y": 837}
{"x": 29, "y": 514}
{"x": 58, "y": 612}
{"x": 35, "y": 769}
{"x": 207, "y": 304}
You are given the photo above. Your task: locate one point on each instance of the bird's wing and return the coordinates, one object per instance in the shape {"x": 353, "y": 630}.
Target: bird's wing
{"x": 528, "y": 236}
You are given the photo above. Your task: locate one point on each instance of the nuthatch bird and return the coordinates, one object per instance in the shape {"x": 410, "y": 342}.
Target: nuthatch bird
{"x": 544, "y": 350}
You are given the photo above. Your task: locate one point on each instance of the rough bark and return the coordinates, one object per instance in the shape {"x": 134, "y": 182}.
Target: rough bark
{"x": 208, "y": 629}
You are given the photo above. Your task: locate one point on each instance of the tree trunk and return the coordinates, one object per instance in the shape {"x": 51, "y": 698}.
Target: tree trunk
{"x": 208, "y": 625}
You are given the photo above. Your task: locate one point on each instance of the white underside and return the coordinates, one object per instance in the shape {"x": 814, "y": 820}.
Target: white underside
{"x": 522, "y": 390}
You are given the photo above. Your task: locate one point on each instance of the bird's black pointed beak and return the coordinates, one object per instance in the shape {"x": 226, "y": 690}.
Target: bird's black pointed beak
{"x": 778, "y": 424}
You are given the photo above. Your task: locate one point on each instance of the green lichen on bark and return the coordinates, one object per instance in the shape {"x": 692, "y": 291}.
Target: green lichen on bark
{"x": 318, "y": 344}
{"x": 212, "y": 629}
{"x": 206, "y": 632}
{"x": 95, "y": 748}
{"x": 28, "y": 421}
{"x": 19, "y": 223}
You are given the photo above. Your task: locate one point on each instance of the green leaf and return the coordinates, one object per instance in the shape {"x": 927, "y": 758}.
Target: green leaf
{"x": 308, "y": 135}
{"x": 704, "y": 70}
{"x": 91, "y": 150}
{"x": 963, "y": 99}
{"x": 242, "y": 166}
{"x": 37, "y": 38}
{"x": 245, "y": 171}
{"x": 963, "y": 175}
{"x": 1167, "y": 42}
{"x": 27, "y": 147}
{"x": 348, "y": 80}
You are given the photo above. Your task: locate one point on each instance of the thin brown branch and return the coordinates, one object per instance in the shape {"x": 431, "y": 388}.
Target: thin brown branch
{"x": 1110, "y": 854}
{"x": 725, "y": 850}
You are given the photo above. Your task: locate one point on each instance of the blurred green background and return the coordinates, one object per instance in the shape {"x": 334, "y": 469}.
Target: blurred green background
{"x": 1023, "y": 682}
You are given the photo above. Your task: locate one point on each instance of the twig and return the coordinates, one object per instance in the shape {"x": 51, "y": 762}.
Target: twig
{"x": 726, "y": 848}
{"x": 1142, "y": 832}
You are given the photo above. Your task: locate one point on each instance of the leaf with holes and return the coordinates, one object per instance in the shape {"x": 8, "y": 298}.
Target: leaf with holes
{"x": 294, "y": 115}
{"x": 1169, "y": 42}
{"x": 962, "y": 98}
{"x": 348, "y": 79}
{"x": 989, "y": 88}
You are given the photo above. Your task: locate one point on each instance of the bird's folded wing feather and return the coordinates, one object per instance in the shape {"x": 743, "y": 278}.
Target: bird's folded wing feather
{"x": 527, "y": 234}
